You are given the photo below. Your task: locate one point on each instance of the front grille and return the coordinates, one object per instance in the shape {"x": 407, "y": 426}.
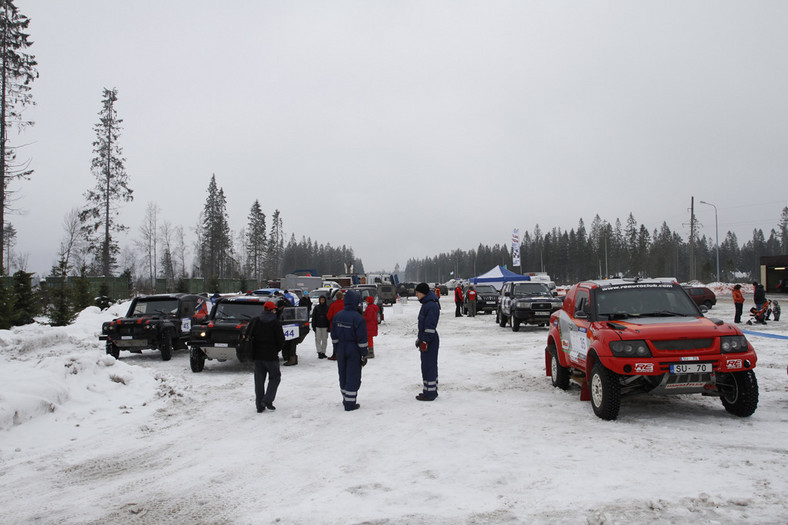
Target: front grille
{"x": 542, "y": 306}
{"x": 683, "y": 344}
{"x": 225, "y": 336}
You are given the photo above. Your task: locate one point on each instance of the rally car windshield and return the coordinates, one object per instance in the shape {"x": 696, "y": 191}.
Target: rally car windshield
{"x": 227, "y": 311}
{"x": 537, "y": 289}
{"x": 644, "y": 301}
{"x": 155, "y": 307}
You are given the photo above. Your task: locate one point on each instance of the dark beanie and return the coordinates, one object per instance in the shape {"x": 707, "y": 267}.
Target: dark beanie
{"x": 423, "y": 288}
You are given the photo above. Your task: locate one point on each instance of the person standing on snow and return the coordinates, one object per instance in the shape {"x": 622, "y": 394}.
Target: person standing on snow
{"x": 371, "y": 317}
{"x": 759, "y": 295}
{"x": 349, "y": 337}
{"x": 267, "y": 339}
{"x": 337, "y": 306}
{"x": 472, "y": 301}
{"x": 320, "y": 326}
{"x": 738, "y": 303}
{"x": 306, "y": 302}
{"x": 458, "y": 301}
{"x": 428, "y": 341}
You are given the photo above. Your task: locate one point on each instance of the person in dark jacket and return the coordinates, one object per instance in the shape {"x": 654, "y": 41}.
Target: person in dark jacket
{"x": 306, "y": 301}
{"x": 349, "y": 337}
{"x": 428, "y": 341}
{"x": 266, "y": 337}
{"x": 320, "y": 326}
{"x": 759, "y": 295}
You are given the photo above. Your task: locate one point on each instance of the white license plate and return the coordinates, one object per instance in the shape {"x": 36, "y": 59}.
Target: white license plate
{"x": 127, "y": 337}
{"x": 690, "y": 368}
{"x": 543, "y": 313}
{"x": 220, "y": 345}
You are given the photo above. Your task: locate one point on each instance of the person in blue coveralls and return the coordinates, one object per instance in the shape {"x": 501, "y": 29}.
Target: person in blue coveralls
{"x": 428, "y": 340}
{"x": 349, "y": 337}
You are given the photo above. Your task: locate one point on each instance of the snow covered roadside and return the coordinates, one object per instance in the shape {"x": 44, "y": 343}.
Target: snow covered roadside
{"x": 94, "y": 440}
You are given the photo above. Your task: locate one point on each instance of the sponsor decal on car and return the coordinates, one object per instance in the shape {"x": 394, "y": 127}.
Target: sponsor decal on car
{"x": 644, "y": 368}
{"x": 733, "y": 363}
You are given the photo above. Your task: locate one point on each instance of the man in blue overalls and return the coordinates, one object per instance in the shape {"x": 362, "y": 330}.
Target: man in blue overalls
{"x": 349, "y": 337}
{"x": 428, "y": 340}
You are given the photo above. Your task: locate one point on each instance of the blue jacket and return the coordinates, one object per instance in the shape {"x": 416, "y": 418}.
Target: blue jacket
{"x": 348, "y": 327}
{"x": 428, "y": 318}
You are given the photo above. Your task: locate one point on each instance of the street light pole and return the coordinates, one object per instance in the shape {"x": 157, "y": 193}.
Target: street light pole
{"x": 716, "y": 237}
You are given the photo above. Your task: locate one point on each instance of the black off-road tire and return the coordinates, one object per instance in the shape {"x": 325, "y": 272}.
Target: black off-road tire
{"x": 708, "y": 304}
{"x": 515, "y": 324}
{"x": 196, "y": 359}
{"x": 605, "y": 392}
{"x": 166, "y": 348}
{"x": 740, "y": 395}
{"x": 559, "y": 375}
{"x": 502, "y": 319}
{"x": 113, "y": 350}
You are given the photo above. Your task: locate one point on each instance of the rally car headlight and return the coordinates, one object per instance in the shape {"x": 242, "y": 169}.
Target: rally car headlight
{"x": 733, "y": 343}
{"x": 630, "y": 349}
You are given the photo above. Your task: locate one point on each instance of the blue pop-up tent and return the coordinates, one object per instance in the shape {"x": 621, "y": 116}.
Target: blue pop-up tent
{"x": 497, "y": 276}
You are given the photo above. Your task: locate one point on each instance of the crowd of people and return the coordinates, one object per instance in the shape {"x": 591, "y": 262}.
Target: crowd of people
{"x": 352, "y": 342}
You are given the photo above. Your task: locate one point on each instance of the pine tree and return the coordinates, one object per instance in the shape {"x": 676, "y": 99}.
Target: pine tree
{"x": 256, "y": 243}
{"x": 81, "y": 297}
{"x": 61, "y": 311}
{"x": 17, "y": 72}
{"x": 276, "y": 246}
{"x": 112, "y": 185}
{"x": 215, "y": 239}
{"x": 26, "y": 305}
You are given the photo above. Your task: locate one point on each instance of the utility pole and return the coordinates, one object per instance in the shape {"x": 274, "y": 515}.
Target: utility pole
{"x": 692, "y": 239}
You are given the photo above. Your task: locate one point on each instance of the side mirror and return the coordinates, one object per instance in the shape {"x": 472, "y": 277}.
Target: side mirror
{"x": 580, "y": 314}
{"x": 507, "y": 294}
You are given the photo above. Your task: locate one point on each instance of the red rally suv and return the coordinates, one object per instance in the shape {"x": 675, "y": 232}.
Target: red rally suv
{"x": 623, "y": 336}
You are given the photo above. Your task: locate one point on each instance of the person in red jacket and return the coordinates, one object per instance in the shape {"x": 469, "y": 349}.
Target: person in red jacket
{"x": 458, "y": 301}
{"x": 472, "y": 301}
{"x": 337, "y": 306}
{"x": 371, "y": 317}
{"x": 738, "y": 303}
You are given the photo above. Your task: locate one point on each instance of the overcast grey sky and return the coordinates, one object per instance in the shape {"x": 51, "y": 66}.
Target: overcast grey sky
{"x": 405, "y": 129}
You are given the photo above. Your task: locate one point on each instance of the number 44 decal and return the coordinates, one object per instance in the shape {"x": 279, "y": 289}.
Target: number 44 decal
{"x": 291, "y": 331}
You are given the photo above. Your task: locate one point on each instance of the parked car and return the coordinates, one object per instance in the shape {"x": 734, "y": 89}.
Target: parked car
{"x": 369, "y": 290}
{"x": 221, "y": 338}
{"x": 619, "y": 337}
{"x": 387, "y": 293}
{"x": 486, "y": 298}
{"x": 316, "y": 294}
{"x": 159, "y": 322}
{"x": 702, "y": 296}
{"x": 529, "y": 302}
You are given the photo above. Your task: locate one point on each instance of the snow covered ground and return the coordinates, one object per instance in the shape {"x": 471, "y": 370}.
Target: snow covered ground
{"x": 87, "y": 439}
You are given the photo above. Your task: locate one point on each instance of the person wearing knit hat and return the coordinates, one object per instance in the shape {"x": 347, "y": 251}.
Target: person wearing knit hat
{"x": 428, "y": 341}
